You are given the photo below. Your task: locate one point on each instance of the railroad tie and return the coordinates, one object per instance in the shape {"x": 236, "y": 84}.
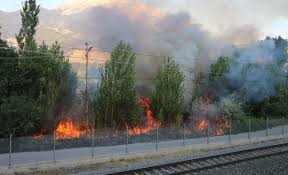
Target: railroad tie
{"x": 165, "y": 170}
{"x": 224, "y": 159}
{"x": 197, "y": 165}
{"x": 155, "y": 171}
{"x": 146, "y": 173}
{"x": 174, "y": 169}
{"x": 204, "y": 162}
{"x": 187, "y": 165}
{"x": 182, "y": 167}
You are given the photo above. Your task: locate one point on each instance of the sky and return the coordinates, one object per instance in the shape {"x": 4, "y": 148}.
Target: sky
{"x": 271, "y": 17}
{"x": 13, "y": 5}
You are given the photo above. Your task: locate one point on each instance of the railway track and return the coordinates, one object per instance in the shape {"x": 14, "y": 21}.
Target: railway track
{"x": 204, "y": 163}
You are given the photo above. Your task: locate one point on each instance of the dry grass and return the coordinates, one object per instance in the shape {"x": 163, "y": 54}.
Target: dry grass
{"x": 120, "y": 161}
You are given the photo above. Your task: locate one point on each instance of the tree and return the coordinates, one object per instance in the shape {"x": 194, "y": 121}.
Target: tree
{"x": 36, "y": 84}
{"x": 57, "y": 83}
{"x": 168, "y": 97}
{"x": 277, "y": 106}
{"x": 30, "y": 20}
{"x": 219, "y": 68}
{"x": 116, "y": 101}
{"x": 230, "y": 106}
{"x": 8, "y": 63}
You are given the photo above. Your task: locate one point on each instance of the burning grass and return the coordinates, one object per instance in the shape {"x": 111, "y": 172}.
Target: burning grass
{"x": 67, "y": 129}
{"x": 150, "y": 125}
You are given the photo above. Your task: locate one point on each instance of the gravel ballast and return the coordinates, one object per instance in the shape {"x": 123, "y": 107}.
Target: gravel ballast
{"x": 275, "y": 165}
{"x": 194, "y": 155}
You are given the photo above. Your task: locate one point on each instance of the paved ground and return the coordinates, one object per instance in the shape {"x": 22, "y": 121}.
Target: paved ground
{"x": 78, "y": 153}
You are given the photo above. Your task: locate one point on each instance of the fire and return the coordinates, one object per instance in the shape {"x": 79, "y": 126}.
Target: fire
{"x": 39, "y": 135}
{"x": 221, "y": 124}
{"x": 67, "y": 130}
{"x": 151, "y": 123}
{"x": 218, "y": 124}
{"x": 203, "y": 125}
{"x": 219, "y": 132}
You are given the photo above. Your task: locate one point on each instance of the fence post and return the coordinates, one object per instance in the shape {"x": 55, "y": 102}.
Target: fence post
{"x": 230, "y": 129}
{"x": 249, "y": 132}
{"x": 283, "y": 126}
{"x": 10, "y": 150}
{"x": 127, "y": 137}
{"x": 93, "y": 142}
{"x": 267, "y": 126}
{"x": 54, "y": 146}
{"x": 157, "y": 135}
{"x": 208, "y": 137}
{"x": 184, "y": 135}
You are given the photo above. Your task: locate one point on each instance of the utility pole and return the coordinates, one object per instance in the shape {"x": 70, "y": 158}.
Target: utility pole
{"x": 88, "y": 49}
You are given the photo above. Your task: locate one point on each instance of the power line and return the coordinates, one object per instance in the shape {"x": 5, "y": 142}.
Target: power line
{"x": 192, "y": 79}
{"x": 142, "y": 54}
{"x": 109, "y": 51}
{"x": 34, "y": 57}
{"x": 30, "y": 51}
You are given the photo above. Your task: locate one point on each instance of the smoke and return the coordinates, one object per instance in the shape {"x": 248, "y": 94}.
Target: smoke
{"x": 255, "y": 71}
{"x": 154, "y": 33}
{"x": 221, "y": 15}
{"x": 149, "y": 31}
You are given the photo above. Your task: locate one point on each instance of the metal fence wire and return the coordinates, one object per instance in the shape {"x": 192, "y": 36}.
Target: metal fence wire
{"x": 104, "y": 142}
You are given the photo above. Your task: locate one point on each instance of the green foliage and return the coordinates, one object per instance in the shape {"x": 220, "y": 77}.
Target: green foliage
{"x": 231, "y": 107}
{"x": 30, "y": 20}
{"x": 277, "y": 106}
{"x": 219, "y": 68}
{"x": 198, "y": 86}
{"x": 168, "y": 98}
{"x": 8, "y": 70}
{"x": 36, "y": 84}
{"x": 116, "y": 101}
{"x": 20, "y": 115}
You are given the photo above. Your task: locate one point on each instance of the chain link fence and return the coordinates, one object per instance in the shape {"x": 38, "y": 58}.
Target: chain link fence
{"x": 108, "y": 142}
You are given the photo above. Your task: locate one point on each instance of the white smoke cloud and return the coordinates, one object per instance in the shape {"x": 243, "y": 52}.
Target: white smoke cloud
{"x": 254, "y": 72}
{"x": 151, "y": 32}
{"x": 221, "y": 15}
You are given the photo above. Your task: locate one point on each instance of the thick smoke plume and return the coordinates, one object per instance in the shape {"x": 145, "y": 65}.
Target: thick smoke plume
{"x": 154, "y": 34}
{"x": 254, "y": 73}
{"x": 149, "y": 31}
{"x": 257, "y": 69}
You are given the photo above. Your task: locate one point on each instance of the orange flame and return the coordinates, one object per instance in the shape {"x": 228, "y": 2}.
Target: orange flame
{"x": 219, "y": 132}
{"x": 218, "y": 123}
{"x": 67, "y": 130}
{"x": 151, "y": 123}
{"x": 221, "y": 123}
{"x": 203, "y": 125}
{"x": 39, "y": 135}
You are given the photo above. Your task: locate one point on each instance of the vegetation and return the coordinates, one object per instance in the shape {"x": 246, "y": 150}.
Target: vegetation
{"x": 36, "y": 81}
{"x": 37, "y": 85}
{"x": 219, "y": 68}
{"x": 168, "y": 99}
{"x": 115, "y": 104}
{"x": 243, "y": 88}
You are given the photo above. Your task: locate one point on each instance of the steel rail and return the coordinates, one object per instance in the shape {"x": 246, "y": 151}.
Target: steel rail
{"x": 208, "y": 162}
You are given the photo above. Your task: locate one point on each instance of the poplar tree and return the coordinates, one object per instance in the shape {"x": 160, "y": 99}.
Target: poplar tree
{"x": 168, "y": 97}
{"x": 117, "y": 92}
{"x": 30, "y": 20}
{"x": 36, "y": 82}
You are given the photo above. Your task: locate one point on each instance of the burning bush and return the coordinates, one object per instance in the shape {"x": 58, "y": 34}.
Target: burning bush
{"x": 150, "y": 125}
